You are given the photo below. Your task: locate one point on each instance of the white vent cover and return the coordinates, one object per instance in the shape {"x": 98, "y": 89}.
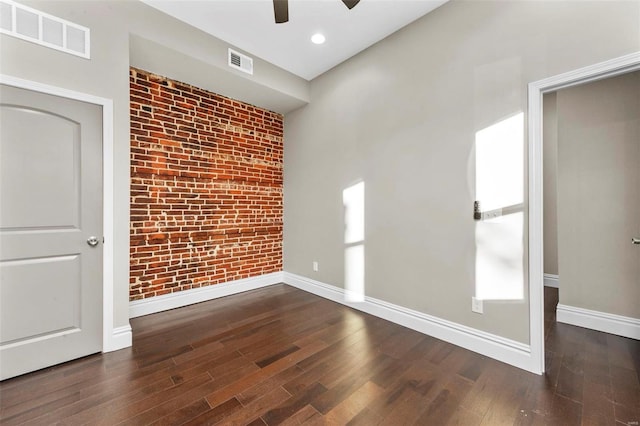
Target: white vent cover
{"x": 41, "y": 28}
{"x": 240, "y": 62}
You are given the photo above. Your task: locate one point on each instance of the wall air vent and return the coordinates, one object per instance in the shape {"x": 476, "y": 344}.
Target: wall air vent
{"x": 41, "y": 28}
{"x": 240, "y": 62}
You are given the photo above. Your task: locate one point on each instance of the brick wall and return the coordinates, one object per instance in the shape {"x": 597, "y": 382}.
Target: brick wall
{"x": 206, "y": 188}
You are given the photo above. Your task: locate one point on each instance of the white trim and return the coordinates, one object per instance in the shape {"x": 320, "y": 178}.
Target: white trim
{"x": 536, "y": 89}
{"x": 121, "y": 338}
{"x": 551, "y": 280}
{"x": 600, "y": 321}
{"x": 152, "y": 305}
{"x": 110, "y": 342}
{"x": 491, "y": 345}
{"x": 110, "y": 339}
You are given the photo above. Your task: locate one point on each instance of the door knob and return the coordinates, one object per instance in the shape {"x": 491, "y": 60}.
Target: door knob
{"x": 635, "y": 240}
{"x": 92, "y": 241}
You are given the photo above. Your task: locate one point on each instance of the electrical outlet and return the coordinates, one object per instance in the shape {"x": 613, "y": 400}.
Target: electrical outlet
{"x": 315, "y": 266}
{"x": 476, "y": 305}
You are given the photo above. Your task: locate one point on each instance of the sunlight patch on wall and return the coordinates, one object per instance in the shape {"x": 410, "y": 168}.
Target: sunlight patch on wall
{"x": 500, "y": 164}
{"x": 500, "y": 190}
{"x": 354, "y": 279}
{"x": 499, "y": 258}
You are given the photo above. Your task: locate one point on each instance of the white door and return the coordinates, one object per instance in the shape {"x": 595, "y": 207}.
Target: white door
{"x": 50, "y": 206}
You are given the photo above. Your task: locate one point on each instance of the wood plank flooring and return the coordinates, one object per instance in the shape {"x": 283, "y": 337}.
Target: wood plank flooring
{"x": 279, "y": 355}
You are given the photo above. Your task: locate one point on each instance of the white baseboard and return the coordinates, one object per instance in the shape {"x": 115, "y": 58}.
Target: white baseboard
{"x": 120, "y": 338}
{"x": 505, "y": 350}
{"x": 152, "y": 305}
{"x": 551, "y": 280}
{"x": 600, "y": 321}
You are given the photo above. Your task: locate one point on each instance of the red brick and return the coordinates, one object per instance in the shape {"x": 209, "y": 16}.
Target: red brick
{"x": 206, "y": 198}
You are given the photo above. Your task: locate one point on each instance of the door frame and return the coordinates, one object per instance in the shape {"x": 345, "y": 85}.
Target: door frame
{"x": 536, "y": 90}
{"x": 110, "y": 339}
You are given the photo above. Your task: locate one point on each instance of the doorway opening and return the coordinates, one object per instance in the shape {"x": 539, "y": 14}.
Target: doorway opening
{"x": 537, "y": 89}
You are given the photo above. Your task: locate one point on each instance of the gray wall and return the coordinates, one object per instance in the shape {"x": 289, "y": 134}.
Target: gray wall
{"x": 107, "y": 75}
{"x": 402, "y": 116}
{"x": 598, "y": 195}
{"x": 550, "y": 189}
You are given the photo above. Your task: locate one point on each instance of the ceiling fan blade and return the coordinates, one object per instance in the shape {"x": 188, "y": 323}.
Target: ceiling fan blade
{"x": 350, "y": 3}
{"x": 281, "y": 11}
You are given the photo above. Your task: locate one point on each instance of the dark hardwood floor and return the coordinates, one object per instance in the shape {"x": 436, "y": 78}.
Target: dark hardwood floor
{"x": 279, "y": 355}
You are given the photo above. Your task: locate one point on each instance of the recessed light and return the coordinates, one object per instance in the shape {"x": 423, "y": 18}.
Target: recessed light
{"x": 317, "y": 38}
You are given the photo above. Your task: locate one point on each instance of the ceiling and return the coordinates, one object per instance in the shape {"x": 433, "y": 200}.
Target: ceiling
{"x": 249, "y": 25}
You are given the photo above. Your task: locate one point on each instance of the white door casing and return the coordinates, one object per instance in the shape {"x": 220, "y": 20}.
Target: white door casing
{"x": 536, "y": 90}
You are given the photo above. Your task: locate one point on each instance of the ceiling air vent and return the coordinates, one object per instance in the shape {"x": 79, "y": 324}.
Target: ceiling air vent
{"x": 240, "y": 62}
